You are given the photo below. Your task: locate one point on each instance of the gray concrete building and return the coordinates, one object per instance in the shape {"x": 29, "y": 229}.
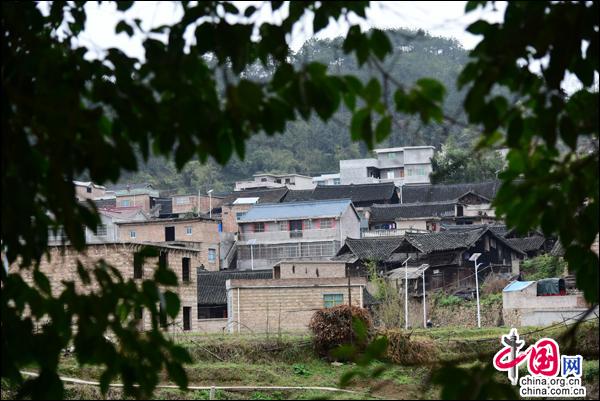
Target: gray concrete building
{"x": 402, "y": 165}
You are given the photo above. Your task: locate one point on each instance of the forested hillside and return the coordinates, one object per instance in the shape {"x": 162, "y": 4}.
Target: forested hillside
{"x": 313, "y": 147}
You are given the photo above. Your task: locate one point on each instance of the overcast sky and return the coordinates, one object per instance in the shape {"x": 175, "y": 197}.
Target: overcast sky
{"x": 440, "y": 18}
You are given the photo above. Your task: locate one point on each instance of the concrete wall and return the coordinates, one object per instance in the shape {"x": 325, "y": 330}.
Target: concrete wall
{"x": 261, "y": 306}
{"x": 349, "y": 225}
{"x": 414, "y": 224}
{"x": 63, "y": 266}
{"x": 82, "y": 193}
{"x": 210, "y": 325}
{"x": 525, "y": 308}
{"x": 355, "y": 171}
{"x": 309, "y": 269}
{"x": 418, "y": 156}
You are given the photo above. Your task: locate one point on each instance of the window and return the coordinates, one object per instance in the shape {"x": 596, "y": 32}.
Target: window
{"x": 283, "y": 226}
{"x": 125, "y": 203}
{"x": 212, "y": 255}
{"x": 336, "y": 181}
{"x": 309, "y": 225}
{"x": 138, "y": 268}
{"x": 188, "y": 230}
{"x": 239, "y": 215}
{"x": 331, "y": 300}
{"x": 391, "y": 155}
{"x": 89, "y": 190}
{"x": 390, "y": 174}
{"x": 263, "y": 180}
{"x": 326, "y": 223}
{"x": 278, "y": 181}
{"x": 185, "y": 270}
{"x": 259, "y": 227}
{"x": 287, "y": 181}
{"x": 187, "y": 314}
{"x": 101, "y": 230}
{"x": 132, "y": 234}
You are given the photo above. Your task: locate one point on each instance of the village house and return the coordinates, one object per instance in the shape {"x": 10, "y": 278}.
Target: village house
{"x": 236, "y": 204}
{"x": 327, "y": 179}
{"x": 447, "y": 254}
{"x": 143, "y": 195}
{"x": 88, "y": 190}
{"x": 291, "y": 181}
{"x": 196, "y": 204}
{"x": 401, "y": 165}
{"x": 184, "y": 261}
{"x": 525, "y": 304}
{"x": 270, "y": 233}
{"x": 201, "y": 233}
{"x": 363, "y": 197}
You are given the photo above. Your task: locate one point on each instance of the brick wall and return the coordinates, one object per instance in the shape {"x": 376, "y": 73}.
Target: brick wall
{"x": 228, "y": 216}
{"x": 62, "y": 266}
{"x": 135, "y": 200}
{"x": 205, "y": 235}
{"x": 82, "y": 193}
{"x": 305, "y": 269}
{"x": 286, "y": 305}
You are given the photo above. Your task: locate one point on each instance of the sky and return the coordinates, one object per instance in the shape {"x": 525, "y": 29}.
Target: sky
{"x": 439, "y": 18}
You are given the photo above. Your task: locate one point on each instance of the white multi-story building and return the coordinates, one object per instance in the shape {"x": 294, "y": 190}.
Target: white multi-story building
{"x": 327, "y": 179}
{"x": 403, "y": 165}
{"x": 291, "y": 181}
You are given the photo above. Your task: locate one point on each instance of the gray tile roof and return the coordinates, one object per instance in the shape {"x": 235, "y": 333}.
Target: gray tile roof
{"x": 498, "y": 229}
{"x": 527, "y": 244}
{"x": 382, "y": 213}
{"x": 360, "y": 194}
{"x": 557, "y": 250}
{"x": 298, "y": 195}
{"x": 120, "y": 187}
{"x": 211, "y": 285}
{"x": 270, "y": 195}
{"x": 373, "y": 249}
{"x": 296, "y": 210}
{"x": 447, "y": 192}
{"x": 444, "y": 240}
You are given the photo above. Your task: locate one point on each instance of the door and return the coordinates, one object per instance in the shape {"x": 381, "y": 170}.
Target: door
{"x": 295, "y": 228}
{"x": 169, "y": 233}
{"x": 187, "y": 314}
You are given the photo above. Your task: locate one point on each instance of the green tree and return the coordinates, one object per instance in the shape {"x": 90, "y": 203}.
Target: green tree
{"x": 455, "y": 165}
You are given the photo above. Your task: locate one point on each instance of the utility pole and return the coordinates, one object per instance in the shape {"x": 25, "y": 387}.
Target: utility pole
{"x": 210, "y": 203}
{"x": 406, "y": 293}
{"x": 473, "y": 259}
{"x": 424, "y": 301}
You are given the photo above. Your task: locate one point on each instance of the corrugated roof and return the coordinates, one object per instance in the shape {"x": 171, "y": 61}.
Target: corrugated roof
{"x": 517, "y": 286}
{"x": 211, "y": 285}
{"x": 447, "y": 192}
{"x": 380, "y": 213}
{"x": 295, "y": 210}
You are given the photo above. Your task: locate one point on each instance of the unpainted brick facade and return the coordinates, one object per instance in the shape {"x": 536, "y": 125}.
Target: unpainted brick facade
{"x": 271, "y": 306}
{"x": 229, "y": 216}
{"x": 204, "y": 235}
{"x": 309, "y": 269}
{"x": 134, "y": 200}
{"x": 62, "y": 266}
{"x": 81, "y": 192}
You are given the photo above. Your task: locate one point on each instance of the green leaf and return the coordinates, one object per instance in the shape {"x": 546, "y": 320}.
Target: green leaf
{"x": 432, "y": 89}
{"x": 380, "y": 44}
{"x": 383, "y": 128}
{"x": 372, "y": 92}
{"x": 124, "y": 5}
{"x": 172, "y": 304}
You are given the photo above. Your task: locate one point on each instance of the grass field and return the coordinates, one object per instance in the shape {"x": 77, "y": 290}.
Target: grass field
{"x": 226, "y": 360}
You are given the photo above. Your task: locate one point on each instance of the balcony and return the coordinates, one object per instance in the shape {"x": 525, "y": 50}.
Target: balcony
{"x": 293, "y": 236}
{"x": 395, "y": 232}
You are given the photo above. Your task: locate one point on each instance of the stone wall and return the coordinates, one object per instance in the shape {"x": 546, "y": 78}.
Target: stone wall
{"x": 62, "y": 266}
{"x": 261, "y": 306}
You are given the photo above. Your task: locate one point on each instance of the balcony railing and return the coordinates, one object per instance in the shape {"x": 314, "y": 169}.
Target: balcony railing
{"x": 390, "y": 232}
{"x": 269, "y": 236}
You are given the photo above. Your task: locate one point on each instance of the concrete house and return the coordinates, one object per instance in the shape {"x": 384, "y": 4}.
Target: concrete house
{"x": 237, "y": 203}
{"x": 327, "y": 179}
{"x": 270, "y": 233}
{"x": 401, "y": 165}
{"x": 88, "y": 190}
{"x": 292, "y": 181}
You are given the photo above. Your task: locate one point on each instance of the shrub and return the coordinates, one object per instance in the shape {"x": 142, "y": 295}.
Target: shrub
{"x": 543, "y": 266}
{"x": 406, "y": 351}
{"x": 333, "y": 327}
{"x": 449, "y": 300}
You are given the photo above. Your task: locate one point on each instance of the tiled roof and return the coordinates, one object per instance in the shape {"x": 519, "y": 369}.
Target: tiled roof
{"x": 361, "y": 194}
{"x": 372, "y": 249}
{"x": 444, "y": 240}
{"x": 296, "y": 210}
{"x": 528, "y": 243}
{"x": 447, "y": 192}
{"x": 557, "y": 249}
{"x": 498, "y": 229}
{"x": 380, "y": 213}
{"x": 211, "y": 285}
{"x": 269, "y": 195}
{"x": 298, "y": 195}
